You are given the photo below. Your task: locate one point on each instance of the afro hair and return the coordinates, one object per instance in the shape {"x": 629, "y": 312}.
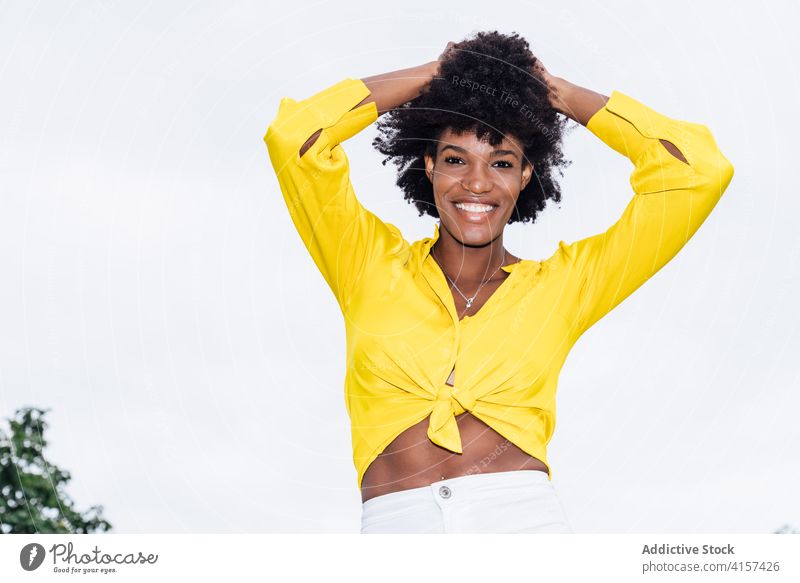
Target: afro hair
{"x": 512, "y": 99}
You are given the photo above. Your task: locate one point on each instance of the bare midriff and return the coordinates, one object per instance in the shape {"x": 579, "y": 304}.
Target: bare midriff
{"x": 413, "y": 460}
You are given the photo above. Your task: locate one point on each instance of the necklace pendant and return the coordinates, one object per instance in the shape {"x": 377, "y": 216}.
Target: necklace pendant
{"x": 469, "y": 303}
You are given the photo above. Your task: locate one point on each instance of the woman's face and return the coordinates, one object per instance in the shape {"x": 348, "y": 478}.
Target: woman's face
{"x": 476, "y": 185}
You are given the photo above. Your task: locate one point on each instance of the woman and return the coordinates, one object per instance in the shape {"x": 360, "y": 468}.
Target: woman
{"x": 454, "y": 345}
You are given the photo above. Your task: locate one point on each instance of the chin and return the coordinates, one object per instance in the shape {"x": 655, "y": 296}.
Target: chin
{"x": 474, "y": 235}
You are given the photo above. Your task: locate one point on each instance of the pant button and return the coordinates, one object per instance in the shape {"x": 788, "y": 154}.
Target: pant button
{"x": 445, "y": 492}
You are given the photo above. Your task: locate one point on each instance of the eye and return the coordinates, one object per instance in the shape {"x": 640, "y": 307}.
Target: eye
{"x": 506, "y": 162}
{"x": 449, "y": 158}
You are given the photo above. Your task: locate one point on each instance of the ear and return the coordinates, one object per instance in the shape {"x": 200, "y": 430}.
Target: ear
{"x": 527, "y": 174}
{"x": 429, "y": 163}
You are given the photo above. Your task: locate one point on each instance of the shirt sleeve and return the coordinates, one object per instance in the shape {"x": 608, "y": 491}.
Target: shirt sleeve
{"x": 341, "y": 235}
{"x": 671, "y": 200}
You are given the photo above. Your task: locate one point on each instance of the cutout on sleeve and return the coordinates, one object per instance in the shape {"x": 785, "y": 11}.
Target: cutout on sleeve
{"x": 310, "y": 142}
{"x": 672, "y": 149}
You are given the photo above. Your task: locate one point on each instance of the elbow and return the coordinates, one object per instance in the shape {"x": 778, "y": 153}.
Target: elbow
{"x": 278, "y": 132}
{"x": 282, "y": 136}
{"x": 717, "y": 173}
{"x": 279, "y": 144}
{"x": 279, "y": 121}
{"x": 716, "y": 170}
{"x": 727, "y": 172}
{"x": 269, "y": 137}
{"x": 293, "y": 131}
{"x": 271, "y": 131}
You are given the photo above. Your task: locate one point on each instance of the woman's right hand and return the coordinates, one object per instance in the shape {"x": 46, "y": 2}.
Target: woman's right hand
{"x": 438, "y": 62}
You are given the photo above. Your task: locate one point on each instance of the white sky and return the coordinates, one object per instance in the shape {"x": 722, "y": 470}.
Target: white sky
{"x": 156, "y": 297}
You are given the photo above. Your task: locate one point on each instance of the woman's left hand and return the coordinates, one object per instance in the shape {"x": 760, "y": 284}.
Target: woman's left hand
{"x": 568, "y": 99}
{"x": 540, "y": 71}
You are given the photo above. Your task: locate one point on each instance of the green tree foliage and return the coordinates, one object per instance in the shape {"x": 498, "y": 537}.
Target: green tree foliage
{"x": 32, "y": 491}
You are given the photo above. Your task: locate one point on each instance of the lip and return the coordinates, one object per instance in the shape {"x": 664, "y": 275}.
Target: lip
{"x": 474, "y": 217}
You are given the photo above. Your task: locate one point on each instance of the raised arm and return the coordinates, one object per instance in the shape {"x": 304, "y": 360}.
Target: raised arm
{"x": 390, "y": 90}
{"x": 303, "y": 142}
{"x": 580, "y": 104}
{"x": 679, "y": 176}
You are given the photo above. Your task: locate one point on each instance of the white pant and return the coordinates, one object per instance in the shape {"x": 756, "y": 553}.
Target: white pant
{"x": 496, "y": 502}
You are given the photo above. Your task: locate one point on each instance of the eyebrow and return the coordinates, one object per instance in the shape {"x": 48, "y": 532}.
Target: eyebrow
{"x": 494, "y": 153}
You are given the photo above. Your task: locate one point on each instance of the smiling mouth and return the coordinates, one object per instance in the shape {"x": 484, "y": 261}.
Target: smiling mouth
{"x": 475, "y": 211}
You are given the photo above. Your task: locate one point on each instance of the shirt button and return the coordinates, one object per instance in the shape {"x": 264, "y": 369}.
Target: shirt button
{"x": 445, "y": 492}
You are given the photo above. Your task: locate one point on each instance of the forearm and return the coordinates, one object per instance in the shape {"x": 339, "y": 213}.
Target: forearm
{"x": 574, "y": 101}
{"x": 390, "y": 90}
{"x": 580, "y": 104}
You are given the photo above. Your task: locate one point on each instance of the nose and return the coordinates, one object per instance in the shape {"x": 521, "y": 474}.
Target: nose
{"x": 479, "y": 180}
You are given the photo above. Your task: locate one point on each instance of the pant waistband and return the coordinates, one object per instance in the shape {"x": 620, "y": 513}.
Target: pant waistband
{"x": 484, "y": 478}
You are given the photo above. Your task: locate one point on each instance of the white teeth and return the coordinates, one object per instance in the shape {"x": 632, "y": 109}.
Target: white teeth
{"x": 474, "y": 208}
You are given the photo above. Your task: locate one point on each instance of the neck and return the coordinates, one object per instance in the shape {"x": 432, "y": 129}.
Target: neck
{"x": 470, "y": 264}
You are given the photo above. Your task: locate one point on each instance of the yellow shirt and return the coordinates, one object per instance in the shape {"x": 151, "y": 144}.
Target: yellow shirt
{"x": 403, "y": 333}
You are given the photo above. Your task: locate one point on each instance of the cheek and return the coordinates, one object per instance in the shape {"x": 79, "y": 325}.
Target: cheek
{"x": 445, "y": 175}
{"x": 511, "y": 187}
{"x": 443, "y": 182}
